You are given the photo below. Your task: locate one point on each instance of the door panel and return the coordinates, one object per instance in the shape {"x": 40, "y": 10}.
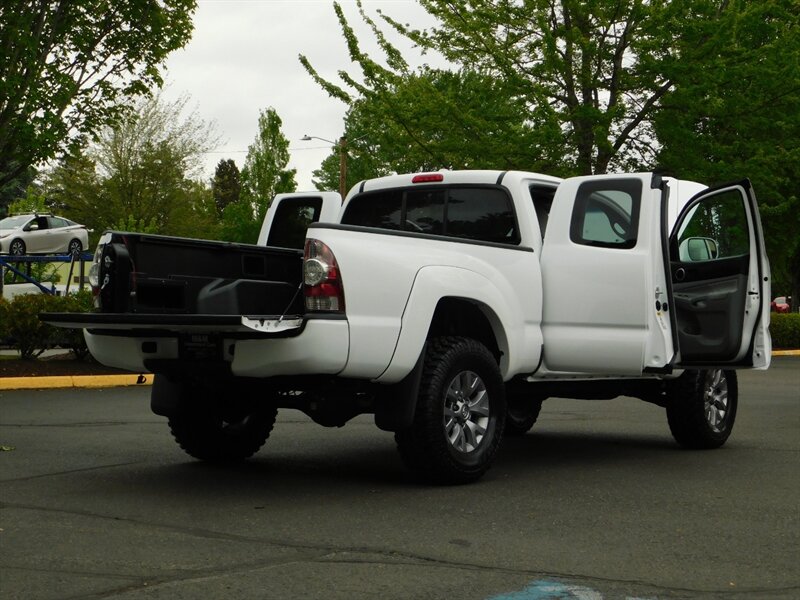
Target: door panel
{"x": 703, "y": 310}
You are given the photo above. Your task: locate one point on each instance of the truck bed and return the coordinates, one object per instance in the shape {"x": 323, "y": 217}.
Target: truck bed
{"x": 179, "y": 284}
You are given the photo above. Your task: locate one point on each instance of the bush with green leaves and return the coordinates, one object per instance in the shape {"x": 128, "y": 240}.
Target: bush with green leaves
{"x": 3, "y": 320}
{"x": 30, "y": 336}
{"x": 785, "y": 330}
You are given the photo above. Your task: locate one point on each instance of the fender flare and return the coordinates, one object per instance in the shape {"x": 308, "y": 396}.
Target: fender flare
{"x": 431, "y": 285}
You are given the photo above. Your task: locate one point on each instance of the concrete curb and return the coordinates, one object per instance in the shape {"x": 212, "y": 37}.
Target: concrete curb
{"x": 73, "y": 381}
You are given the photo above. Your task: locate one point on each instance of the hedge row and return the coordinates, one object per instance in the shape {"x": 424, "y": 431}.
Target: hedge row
{"x": 785, "y": 330}
{"x": 21, "y": 328}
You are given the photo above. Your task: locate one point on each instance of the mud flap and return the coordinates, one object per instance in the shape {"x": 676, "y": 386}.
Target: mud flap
{"x": 165, "y": 396}
{"x": 395, "y": 404}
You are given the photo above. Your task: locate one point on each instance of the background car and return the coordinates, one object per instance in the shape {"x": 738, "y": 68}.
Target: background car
{"x": 41, "y": 234}
{"x": 781, "y": 304}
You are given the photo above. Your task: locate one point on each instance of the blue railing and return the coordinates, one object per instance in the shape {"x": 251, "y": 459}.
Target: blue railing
{"x": 8, "y": 262}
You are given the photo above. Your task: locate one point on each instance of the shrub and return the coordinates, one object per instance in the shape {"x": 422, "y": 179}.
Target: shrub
{"x": 19, "y": 322}
{"x": 4, "y": 320}
{"x": 785, "y": 330}
{"x": 30, "y": 336}
{"x": 73, "y": 339}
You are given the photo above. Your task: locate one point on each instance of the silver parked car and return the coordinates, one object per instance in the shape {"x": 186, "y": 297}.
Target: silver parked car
{"x": 41, "y": 234}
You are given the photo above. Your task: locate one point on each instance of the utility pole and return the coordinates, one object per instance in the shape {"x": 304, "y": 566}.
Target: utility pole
{"x": 342, "y": 146}
{"x": 343, "y": 166}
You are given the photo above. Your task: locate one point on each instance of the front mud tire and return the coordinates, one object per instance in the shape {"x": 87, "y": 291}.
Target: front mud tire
{"x": 460, "y": 413}
{"x": 522, "y": 414}
{"x": 701, "y": 408}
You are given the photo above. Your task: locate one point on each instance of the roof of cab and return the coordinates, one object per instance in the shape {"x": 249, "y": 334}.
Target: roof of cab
{"x": 485, "y": 177}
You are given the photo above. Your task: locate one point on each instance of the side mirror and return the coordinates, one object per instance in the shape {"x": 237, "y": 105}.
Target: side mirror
{"x": 696, "y": 249}
{"x": 31, "y": 227}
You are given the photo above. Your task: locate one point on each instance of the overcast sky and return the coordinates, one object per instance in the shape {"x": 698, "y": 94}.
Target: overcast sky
{"x": 243, "y": 57}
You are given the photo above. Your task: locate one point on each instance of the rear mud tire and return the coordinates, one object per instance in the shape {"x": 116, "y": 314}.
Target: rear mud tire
{"x": 214, "y": 434}
{"x": 460, "y": 413}
{"x": 701, "y": 408}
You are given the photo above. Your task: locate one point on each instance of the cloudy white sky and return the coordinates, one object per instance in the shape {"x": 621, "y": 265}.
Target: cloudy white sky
{"x": 243, "y": 57}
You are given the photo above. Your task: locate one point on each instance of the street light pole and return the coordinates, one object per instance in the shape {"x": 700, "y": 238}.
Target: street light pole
{"x": 342, "y": 146}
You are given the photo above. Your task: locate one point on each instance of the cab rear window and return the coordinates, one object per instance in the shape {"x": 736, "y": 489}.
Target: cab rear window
{"x": 479, "y": 213}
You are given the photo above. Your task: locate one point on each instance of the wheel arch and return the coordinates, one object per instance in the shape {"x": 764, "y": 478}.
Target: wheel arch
{"x": 457, "y": 316}
{"x": 452, "y": 301}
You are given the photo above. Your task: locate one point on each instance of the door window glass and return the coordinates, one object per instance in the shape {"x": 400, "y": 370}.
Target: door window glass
{"x": 715, "y": 228}
{"x": 606, "y": 213}
{"x": 291, "y": 221}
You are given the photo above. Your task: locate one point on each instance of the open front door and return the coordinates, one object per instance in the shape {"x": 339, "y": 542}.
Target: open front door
{"x": 720, "y": 280}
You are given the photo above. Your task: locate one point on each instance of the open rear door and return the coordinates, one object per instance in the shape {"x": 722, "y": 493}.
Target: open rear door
{"x": 720, "y": 281}
{"x": 289, "y": 216}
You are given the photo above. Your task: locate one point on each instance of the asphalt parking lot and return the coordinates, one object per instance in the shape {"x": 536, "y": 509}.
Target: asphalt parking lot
{"x": 97, "y": 501}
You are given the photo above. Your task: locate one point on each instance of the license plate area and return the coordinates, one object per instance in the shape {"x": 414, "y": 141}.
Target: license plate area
{"x": 200, "y": 346}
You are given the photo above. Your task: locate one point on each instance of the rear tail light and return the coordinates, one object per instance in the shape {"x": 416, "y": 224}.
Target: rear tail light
{"x": 94, "y": 270}
{"x": 321, "y": 278}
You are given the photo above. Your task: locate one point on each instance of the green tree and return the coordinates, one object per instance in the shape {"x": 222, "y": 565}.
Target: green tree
{"x": 437, "y": 119}
{"x": 589, "y": 74}
{"x": 264, "y": 174}
{"x": 131, "y": 223}
{"x": 146, "y": 167}
{"x": 15, "y": 189}
{"x": 226, "y": 185}
{"x": 67, "y": 68}
{"x": 33, "y": 201}
{"x": 738, "y": 116}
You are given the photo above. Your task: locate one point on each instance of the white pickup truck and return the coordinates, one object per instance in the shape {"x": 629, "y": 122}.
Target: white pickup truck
{"x": 447, "y": 304}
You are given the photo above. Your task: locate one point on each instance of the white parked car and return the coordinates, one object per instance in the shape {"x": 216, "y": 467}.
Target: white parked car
{"x": 41, "y": 234}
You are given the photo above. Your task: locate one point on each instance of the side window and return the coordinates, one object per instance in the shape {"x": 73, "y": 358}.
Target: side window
{"x": 291, "y": 221}
{"x": 606, "y": 213}
{"x": 715, "y": 228}
{"x": 56, "y": 222}
{"x": 483, "y": 214}
{"x": 379, "y": 209}
{"x": 425, "y": 211}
